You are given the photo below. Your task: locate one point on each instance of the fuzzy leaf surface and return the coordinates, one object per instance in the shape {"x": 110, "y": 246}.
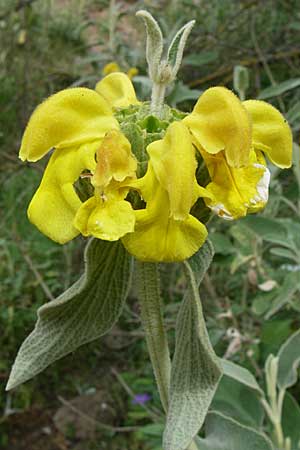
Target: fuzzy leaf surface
{"x": 87, "y": 310}
{"x": 224, "y": 433}
{"x": 195, "y": 369}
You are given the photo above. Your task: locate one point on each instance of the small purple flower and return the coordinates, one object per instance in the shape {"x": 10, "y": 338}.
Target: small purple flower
{"x": 141, "y": 399}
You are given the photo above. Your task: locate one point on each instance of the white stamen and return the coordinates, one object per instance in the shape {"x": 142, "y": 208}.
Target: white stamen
{"x": 221, "y": 211}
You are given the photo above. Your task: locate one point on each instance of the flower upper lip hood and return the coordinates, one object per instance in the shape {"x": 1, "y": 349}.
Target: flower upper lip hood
{"x": 270, "y": 133}
{"x": 66, "y": 119}
{"x": 220, "y": 122}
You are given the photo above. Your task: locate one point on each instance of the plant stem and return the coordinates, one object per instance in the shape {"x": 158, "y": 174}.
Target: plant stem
{"x": 157, "y": 99}
{"x": 152, "y": 319}
{"x": 156, "y": 336}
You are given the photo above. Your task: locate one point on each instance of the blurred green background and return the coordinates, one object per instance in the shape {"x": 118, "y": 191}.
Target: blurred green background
{"x": 251, "y": 294}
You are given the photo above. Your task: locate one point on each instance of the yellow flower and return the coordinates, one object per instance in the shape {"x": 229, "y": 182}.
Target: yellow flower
{"x": 232, "y": 137}
{"x": 80, "y": 127}
{"x": 165, "y": 230}
{"x": 113, "y": 67}
{"x": 78, "y": 124}
{"x": 220, "y": 123}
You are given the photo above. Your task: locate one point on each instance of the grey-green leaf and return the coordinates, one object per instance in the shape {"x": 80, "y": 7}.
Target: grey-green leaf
{"x": 154, "y": 46}
{"x": 271, "y": 230}
{"x": 200, "y": 59}
{"x": 278, "y": 89}
{"x": 291, "y": 420}
{"x": 181, "y": 93}
{"x": 175, "y": 52}
{"x": 239, "y": 374}
{"x": 238, "y": 401}
{"x": 195, "y": 368}
{"x": 87, "y": 310}
{"x": 289, "y": 360}
{"x": 284, "y": 293}
{"x": 224, "y": 433}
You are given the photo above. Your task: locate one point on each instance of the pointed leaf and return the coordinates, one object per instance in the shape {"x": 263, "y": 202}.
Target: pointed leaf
{"x": 284, "y": 293}
{"x": 195, "y": 369}
{"x": 239, "y": 374}
{"x": 175, "y": 52}
{"x": 87, "y": 310}
{"x": 200, "y": 59}
{"x": 154, "y": 46}
{"x": 278, "y": 89}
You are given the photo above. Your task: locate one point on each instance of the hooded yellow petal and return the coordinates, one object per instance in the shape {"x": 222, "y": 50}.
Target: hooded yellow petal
{"x": 55, "y": 203}
{"x": 174, "y": 164}
{"x": 117, "y": 89}
{"x": 160, "y": 238}
{"x": 115, "y": 160}
{"x": 220, "y": 122}
{"x": 66, "y": 119}
{"x": 271, "y": 132}
{"x": 105, "y": 220}
{"x": 236, "y": 191}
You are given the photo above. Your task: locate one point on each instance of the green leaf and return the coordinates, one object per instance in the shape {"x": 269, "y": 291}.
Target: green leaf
{"x": 200, "y": 59}
{"x": 261, "y": 303}
{"x": 201, "y": 261}
{"x": 281, "y": 88}
{"x": 289, "y": 360}
{"x": 291, "y": 420}
{"x": 195, "y": 369}
{"x": 296, "y": 163}
{"x": 175, "y": 52}
{"x": 284, "y": 293}
{"x": 222, "y": 243}
{"x": 224, "y": 433}
{"x": 272, "y": 334}
{"x": 293, "y": 113}
{"x": 283, "y": 253}
{"x": 87, "y": 310}
{"x": 270, "y": 230}
{"x": 241, "y": 80}
{"x": 238, "y": 401}
{"x": 239, "y": 374}
{"x": 181, "y": 93}
{"x": 154, "y": 45}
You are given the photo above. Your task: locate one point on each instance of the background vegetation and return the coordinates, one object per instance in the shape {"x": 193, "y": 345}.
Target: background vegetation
{"x": 251, "y": 294}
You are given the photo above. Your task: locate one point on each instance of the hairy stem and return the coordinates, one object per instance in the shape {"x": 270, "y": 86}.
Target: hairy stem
{"x": 156, "y": 336}
{"x": 152, "y": 319}
{"x": 157, "y": 99}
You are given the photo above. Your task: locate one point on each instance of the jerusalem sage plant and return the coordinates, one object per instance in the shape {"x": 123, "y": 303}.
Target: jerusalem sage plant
{"x": 129, "y": 175}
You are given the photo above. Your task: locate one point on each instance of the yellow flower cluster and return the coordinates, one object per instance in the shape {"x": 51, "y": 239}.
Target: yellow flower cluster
{"x": 80, "y": 127}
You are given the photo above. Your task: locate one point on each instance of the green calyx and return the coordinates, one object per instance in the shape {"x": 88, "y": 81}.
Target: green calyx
{"x": 141, "y": 128}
